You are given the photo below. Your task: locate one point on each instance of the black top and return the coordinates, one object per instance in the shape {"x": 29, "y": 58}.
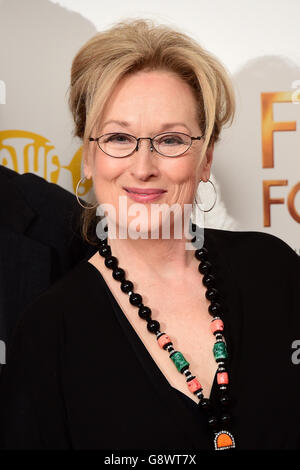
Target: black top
{"x": 78, "y": 376}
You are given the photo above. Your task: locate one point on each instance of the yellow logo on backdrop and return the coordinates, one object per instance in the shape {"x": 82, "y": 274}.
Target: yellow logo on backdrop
{"x": 28, "y": 152}
{"x": 269, "y": 126}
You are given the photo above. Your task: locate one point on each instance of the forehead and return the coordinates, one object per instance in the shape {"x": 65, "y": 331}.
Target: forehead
{"x": 159, "y": 95}
{"x": 155, "y": 83}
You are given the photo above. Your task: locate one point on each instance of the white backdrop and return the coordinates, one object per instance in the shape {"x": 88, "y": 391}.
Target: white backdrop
{"x": 258, "y": 42}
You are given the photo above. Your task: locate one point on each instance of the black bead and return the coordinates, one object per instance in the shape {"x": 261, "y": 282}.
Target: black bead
{"x": 205, "y": 404}
{"x": 221, "y": 360}
{"x": 223, "y": 363}
{"x": 103, "y": 242}
{"x": 201, "y": 254}
{"x": 225, "y": 418}
{"x": 111, "y": 262}
{"x": 153, "y": 326}
{"x": 135, "y": 299}
{"x": 126, "y": 286}
{"x": 118, "y": 274}
{"x": 211, "y": 294}
{"x": 205, "y": 267}
{"x": 212, "y": 422}
{"x": 214, "y": 309}
{"x": 188, "y": 374}
{"x": 199, "y": 395}
{"x": 224, "y": 399}
{"x": 209, "y": 280}
{"x": 191, "y": 377}
{"x": 104, "y": 239}
{"x": 145, "y": 312}
{"x": 105, "y": 251}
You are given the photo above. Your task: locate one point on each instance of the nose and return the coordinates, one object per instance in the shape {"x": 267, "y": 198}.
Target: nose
{"x": 144, "y": 162}
{"x": 139, "y": 141}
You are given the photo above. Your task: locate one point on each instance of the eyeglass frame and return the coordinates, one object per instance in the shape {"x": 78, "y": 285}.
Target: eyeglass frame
{"x": 96, "y": 139}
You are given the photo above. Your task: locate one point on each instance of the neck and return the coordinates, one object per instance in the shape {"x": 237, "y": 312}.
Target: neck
{"x": 166, "y": 259}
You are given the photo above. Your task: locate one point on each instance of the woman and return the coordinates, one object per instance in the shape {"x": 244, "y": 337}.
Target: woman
{"x": 148, "y": 344}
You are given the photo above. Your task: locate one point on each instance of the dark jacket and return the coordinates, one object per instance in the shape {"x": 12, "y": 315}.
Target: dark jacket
{"x": 40, "y": 241}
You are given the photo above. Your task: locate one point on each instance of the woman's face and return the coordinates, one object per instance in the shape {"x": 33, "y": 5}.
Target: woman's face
{"x": 151, "y": 103}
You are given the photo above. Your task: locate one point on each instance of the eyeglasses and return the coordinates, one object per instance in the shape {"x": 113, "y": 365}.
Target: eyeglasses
{"x": 168, "y": 144}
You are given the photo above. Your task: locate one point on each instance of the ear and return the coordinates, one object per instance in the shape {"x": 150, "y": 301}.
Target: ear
{"x": 86, "y": 170}
{"x": 86, "y": 163}
{"x": 207, "y": 163}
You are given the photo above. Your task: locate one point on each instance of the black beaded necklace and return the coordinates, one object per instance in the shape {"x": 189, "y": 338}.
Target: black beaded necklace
{"x": 223, "y": 439}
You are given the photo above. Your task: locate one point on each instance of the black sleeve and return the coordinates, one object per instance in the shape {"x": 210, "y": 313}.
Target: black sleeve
{"x": 32, "y": 414}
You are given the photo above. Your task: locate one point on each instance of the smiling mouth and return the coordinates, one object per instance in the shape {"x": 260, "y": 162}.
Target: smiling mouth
{"x": 141, "y": 194}
{"x": 138, "y": 196}
{"x": 147, "y": 193}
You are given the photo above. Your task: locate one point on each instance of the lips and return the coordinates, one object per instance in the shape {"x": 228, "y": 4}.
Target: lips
{"x": 144, "y": 195}
{"x": 145, "y": 191}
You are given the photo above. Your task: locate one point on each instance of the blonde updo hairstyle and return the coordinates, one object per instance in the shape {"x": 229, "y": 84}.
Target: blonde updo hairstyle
{"x": 134, "y": 45}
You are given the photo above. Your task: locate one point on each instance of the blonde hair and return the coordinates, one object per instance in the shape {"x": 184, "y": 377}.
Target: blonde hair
{"x": 138, "y": 44}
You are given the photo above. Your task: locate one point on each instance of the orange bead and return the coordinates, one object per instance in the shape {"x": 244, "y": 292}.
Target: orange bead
{"x": 217, "y": 325}
{"x": 222, "y": 378}
{"x": 163, "y": 340}
{"x": 194, "y": 385}
{"x": 224, "y": 440}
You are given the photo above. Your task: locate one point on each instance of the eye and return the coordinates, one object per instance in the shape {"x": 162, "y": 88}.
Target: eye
{"x": 171, "y": 140}
{"x": 118, "y": 138}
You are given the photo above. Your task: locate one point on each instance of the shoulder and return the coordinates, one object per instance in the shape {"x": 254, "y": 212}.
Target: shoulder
{"x": 48, "y": 200}
{"x": 262, "y": 274}
{"x": 252, "y": 245}
{"x": 6, "y": 173}
{"x": 41, "y": 194}
{"x": 30, "y": 182}
{"x": 256, "y": 262}
{"x": 57, "y": 214}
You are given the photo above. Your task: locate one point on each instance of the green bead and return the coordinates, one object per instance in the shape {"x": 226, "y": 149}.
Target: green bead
{"x": 220, "y": 351}
{"x": 179, "y": 360}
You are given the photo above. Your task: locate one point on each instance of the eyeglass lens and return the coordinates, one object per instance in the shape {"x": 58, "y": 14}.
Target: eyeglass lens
{"x": 120, "y": 145}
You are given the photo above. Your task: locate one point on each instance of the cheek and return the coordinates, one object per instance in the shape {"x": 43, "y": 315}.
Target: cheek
{"x": 107, "y": 168}
{"x": 105, "y": 172}
{"x": 182, "y": 171}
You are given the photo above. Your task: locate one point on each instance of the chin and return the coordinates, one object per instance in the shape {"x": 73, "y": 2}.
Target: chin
{"x": 136, "y": 228}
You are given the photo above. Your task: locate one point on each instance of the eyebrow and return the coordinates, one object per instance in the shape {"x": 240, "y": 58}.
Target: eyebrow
{"x": 162, "y": 127}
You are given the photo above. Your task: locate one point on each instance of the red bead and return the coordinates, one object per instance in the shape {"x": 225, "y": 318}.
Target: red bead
{"x": 222, "y": 378}
{"x": 194, "y": 385}
{"x": 163, "y": 340}
{"x": 217, "y": 325}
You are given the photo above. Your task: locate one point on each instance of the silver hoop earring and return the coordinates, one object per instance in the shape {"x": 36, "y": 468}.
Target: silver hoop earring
{"x": 208, "y": 181}
{"x": 78, "y": 200}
